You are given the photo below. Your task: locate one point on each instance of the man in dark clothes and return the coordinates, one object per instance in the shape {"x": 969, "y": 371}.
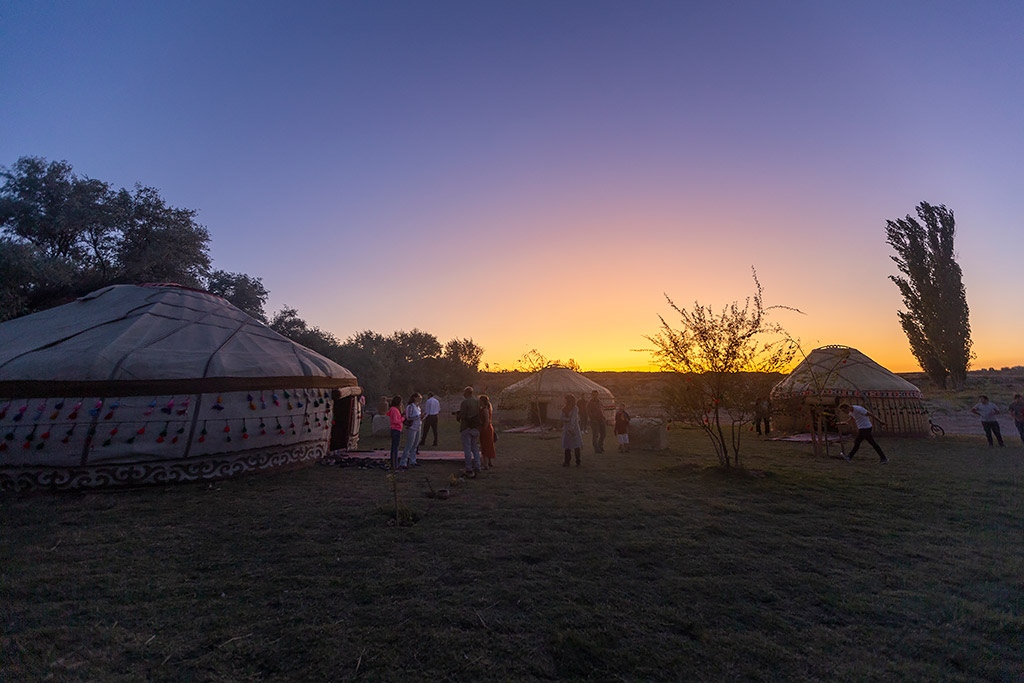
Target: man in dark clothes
{"x": 596, "y": 415}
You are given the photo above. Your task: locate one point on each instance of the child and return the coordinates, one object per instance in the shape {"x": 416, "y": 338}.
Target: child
{"x": 622, "y": 428}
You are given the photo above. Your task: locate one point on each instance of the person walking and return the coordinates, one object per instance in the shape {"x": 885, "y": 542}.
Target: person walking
{"x": 469, "y": 430}
{"x": 431, "y": 411}
{"x": 987, "y": 411}
{"x": 597, "y": 428}
{"x": 487, "y": 450}
{"x": 1017, "y": 412}
{"x": 572, "y": 438}
{"x": 395, "y": 419}
{"x": 412, "y": 432}
{"x": 622, "y": 428}
{"x": 862, "y": 417}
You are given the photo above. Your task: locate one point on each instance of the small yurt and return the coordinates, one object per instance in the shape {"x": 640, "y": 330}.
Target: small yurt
{"x": 542, "y": 394}
{"x": 148, "y": 384}
{"x": 832, "y": 375}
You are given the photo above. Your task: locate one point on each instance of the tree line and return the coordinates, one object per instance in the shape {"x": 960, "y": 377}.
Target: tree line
{"x": 63, "y": 235}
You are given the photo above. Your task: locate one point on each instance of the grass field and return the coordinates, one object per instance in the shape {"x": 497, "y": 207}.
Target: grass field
{"x": 646, "y": 566}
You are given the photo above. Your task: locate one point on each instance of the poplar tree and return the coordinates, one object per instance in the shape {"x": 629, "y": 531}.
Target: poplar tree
{"x": 936, "y": 321}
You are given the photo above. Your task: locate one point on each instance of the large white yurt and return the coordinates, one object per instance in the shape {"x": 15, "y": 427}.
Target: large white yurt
{"x": 831, "y": 375}
{"x": 159, "y": 383}
{"x": 543, "y": 393}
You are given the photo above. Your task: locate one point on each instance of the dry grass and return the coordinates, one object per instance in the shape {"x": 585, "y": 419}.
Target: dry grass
{"x": 642, "y": 566}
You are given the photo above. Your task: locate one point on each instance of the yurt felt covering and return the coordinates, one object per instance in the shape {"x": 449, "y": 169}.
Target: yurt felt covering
{"x": 144, "y": 384}
{"x": 831, "y": 375}
{"x": 550, "y": 385}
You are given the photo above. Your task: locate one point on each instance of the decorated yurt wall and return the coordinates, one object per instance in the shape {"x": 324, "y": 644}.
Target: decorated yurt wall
{"x": 153, "y": 384}
{"x": 832, "y": 375}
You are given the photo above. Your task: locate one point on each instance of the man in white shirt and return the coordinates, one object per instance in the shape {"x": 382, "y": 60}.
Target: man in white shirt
{"x": 862, "y": 417}
{"x": 987, "y": 411}
{"x": 431, "y": 409}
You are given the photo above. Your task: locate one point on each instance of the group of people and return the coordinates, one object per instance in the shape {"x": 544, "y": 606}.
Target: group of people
{"x": 416, "y": 422}
{"x": 476, "y": 428}
{"x": 987, "y": 411}
{"x": 577, "y": 414}
{"x": 984, "y": 408}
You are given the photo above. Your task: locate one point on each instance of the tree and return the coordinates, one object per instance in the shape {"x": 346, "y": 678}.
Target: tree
{"x": 159, "y": 243}
{"x": 245, "y": 292}
{"x": 69, "y": 235}
{"x": 462, "y": 363}
{"x": 47, "y": 206}
{"x": 287, "y": 323}
{"x": 936, "y": 321}
{"x": 711, "y": 355}
{"x": 534, "y": 361}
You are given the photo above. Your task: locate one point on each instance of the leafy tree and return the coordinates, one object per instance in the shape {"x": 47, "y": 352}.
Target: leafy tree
{"x": 159, "y": 243}
{"x": 711, "y": 355}
{"x": 461, "y": 363}
{"x": 245, "y": 292}
{"x": 47, "y": 206}
{"x": 65, "y": 235}
{"x": 936, "y": 321}
{"x": 287, "y": 322}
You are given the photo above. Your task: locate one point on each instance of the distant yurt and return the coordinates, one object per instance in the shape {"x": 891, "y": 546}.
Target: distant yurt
{"x": 832, "y": 375}
{"x": 159, "y": 383}
{"x": 542, "y": 394}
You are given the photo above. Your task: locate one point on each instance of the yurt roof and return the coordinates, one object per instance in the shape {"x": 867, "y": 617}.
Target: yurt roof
{"x": 842, "y": 371}
{"x": 153, "y": 339}
{"x": 553, "y": 383}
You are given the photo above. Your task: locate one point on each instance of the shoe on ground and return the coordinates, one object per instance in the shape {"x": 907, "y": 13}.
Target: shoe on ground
{"x": 883, "y": 461}
{"x": 845, "y": 457}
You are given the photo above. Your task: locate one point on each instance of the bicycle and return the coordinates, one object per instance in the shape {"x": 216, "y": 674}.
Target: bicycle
{"x": 936, "y": 429}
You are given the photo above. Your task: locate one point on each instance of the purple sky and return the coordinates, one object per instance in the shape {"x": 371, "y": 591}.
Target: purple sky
{"x": 536, "y": 175}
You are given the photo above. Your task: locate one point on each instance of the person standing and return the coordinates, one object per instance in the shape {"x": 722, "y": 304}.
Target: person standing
{"x": 582, "y": 405}
{"x": 431, "y": 411}
{"x": 412, "y": 431}
{"x": 395, "y": 420}
{"x": 762, "y": 413}
{"x": 487, "y": 450}
{"x": 987, "y": 411}
{"x": 572, "y": 438}
{"x": 596, "y": 415}
{"x": 1017, "y": 411}
{"x": 862, "y": 418}
{"x": 469, "y": 430}
{"x": 622, "y": 428}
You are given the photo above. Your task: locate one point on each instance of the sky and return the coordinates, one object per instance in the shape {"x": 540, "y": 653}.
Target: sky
{"x": 541, "y": 175}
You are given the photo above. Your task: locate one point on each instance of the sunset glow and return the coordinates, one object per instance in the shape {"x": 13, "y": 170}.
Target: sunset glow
{"x": 541, "y": 175}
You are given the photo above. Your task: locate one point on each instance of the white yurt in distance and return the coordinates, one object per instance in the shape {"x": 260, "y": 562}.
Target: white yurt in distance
{"x": 832, "y": 375}
{"x": 543, "y": 392}
{"x": 159, "y": 383}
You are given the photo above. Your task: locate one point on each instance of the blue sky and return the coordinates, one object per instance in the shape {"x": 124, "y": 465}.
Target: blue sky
{"x": 537, "y": 175}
